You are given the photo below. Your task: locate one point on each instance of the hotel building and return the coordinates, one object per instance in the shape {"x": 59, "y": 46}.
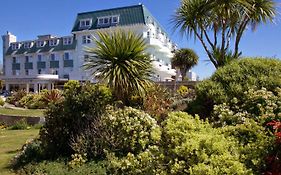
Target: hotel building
{"x": 50, "y": 60}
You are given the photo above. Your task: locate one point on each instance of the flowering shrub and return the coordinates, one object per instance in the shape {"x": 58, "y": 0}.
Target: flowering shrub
{"x": 192, "y": 146}
{"x": 273, "y": 160}
{"x": 232, "y": 80}
{"x": 157, "y": 102}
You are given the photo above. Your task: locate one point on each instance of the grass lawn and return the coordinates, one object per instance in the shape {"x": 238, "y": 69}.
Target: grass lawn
{"x": 10, "y": 142}
{"x": 23, "y": 112}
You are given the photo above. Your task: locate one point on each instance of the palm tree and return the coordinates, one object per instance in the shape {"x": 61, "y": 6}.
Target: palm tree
{"x": 218, "y": 22}
{"x": 184, "y": 59}
{"x": 119, "y": 60}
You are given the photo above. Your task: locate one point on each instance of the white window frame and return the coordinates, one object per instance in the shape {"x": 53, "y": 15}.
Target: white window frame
{"x": 40, "y": 43}
{"x": 27, "y": 45}
{"x": 100, "y": 21}
{"x": 67, "y": 40}
{"x": 108, "y": 21}
{"x": 115, "y": 16}
{"x": 86, "y": 39}
{"x": 53, "y": 42}
{"x": 15, "y": 46}
{"x": 83, "y": 23}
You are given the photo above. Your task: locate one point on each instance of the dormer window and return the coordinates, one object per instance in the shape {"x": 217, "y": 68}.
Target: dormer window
{"x": 115, "y": 19}
{"x": 108, "y": 20}
{"x": 85, "y": 23}
{"x": 53, "y": 42}
{"x": 40, "y": 43}
{"x": 15, "y": 46}
{"x": 27, "y": 45}
{"x": 67, "y": 41}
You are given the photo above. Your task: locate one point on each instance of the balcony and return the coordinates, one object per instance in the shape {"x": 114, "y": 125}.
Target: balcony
{"x": 41, "y": 65}
{"x": 16, "y": 66}
{"x": 54, "y": 64}
{"x": 28, "y": 65}
{"x": 68, "y": 63}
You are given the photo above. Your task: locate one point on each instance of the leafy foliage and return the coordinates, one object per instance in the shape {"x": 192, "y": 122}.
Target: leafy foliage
{"x": 119, "y": 131}
{"x": 2, "y": 102}
{"x": 157, "y": 102}
{"x": 233, "y": 80}
{"x": 216, "y": 23}
{"x": 184, "y": 59}
{"x": 73, "y": 115}
{"x": 119, "y": 60}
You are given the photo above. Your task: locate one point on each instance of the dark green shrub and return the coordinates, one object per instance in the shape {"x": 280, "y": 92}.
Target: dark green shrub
{"x": 31, "y": 151}
{"x": 20, "y": 125}
{"x": 232, "y": 80}
{"x": 68, "y": 118}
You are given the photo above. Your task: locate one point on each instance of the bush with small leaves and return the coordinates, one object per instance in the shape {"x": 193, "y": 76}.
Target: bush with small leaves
{"x": 232, "y": 80}
{"x": 118, "y": 131}
{"x": 192, "y": 146}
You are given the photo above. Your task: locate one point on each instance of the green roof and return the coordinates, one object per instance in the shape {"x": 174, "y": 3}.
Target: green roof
{"x": 46, "y": 48}
{"x": 130, "y": 15}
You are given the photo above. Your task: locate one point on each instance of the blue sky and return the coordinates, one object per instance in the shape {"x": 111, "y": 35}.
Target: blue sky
{"x": 29, "y": 18}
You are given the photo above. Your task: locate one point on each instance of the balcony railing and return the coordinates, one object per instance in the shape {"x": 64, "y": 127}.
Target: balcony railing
{"x": 41, "y": 64}
{"x": 68, "y": 63}
{"x": 28, "y": 65}
{"x": 54, "y": 64}
{"x": 16, "y": 66}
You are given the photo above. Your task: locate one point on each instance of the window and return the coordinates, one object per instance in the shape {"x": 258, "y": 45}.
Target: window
{"x": 53, "y": 57}
{"x": 39, "y": 58}
{"x": 40, "y": 43}
{"x": 66, "y": 56}
{"x": 85, "y": 23}
{"x": 108, "y": 20}
{"x": 14, "y": 60}
{"x": 15, "y": 46}
{"x": 26, "y": 72}
{"x": 53, "y": 42}
{"x": 27, "y": 45}
{"x": 67, "y": 41}
{"x": 26, "y": 59}
{"x": 100, "y": 21}
{"x": 86, "y": 39}
{"x": 115, "y": 19}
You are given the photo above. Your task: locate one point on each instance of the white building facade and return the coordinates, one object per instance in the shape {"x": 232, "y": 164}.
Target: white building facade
{"x": 49, "y": 60}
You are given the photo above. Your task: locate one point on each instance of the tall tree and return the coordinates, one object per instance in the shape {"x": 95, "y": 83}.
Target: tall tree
{"x": 220, "y": 24}
{"x": 119, "y": 60}
{"x": 184, "y": 59}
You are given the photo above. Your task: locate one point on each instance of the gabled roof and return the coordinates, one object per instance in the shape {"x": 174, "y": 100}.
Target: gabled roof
{"x": 130, "y": 15}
